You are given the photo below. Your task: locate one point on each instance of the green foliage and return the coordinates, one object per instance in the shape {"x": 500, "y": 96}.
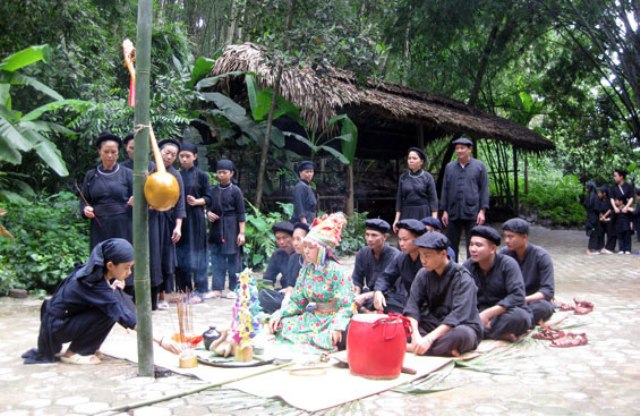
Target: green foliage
{"x": 323, "y": 140}
{"x": 353, "y": 234}
{"x": 556, "y": 199}
{"x": 260, "y": 241}
{"x": 50, "y": 239}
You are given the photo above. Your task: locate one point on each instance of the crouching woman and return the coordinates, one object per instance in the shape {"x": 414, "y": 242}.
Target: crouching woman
{"x": 86, "y": 305}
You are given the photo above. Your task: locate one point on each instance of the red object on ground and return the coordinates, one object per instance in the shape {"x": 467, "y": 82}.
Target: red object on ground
{"x": 376, "y": 345}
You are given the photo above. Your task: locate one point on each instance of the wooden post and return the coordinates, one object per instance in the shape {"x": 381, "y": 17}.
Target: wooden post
{"x": 350, "y": 191}
{"x": 142, "y": 280}
{"x": 526, "y": 174}
{"x": 516, "y": 197}
{"x": 421, "y": 136}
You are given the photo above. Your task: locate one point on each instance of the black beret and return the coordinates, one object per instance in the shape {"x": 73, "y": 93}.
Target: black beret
{"x": 166, "y": 142}
{"x": 412, "y": 225}
{"x": 107, "y": 136}
{"x": 516, "y": 225}
{"x": 225, "y": 164}
{"x": 284, "y": 226}
{"x": 604, "y": 189}
{"x": 434, "y": 222}
{"x": 377, "y": 224}
{"x": 419, "y": 151}
{"x": 302, "y": 226}
{"x": 189, "y": 147}
{"x": 305, "y": 165}
{"x": 434, "y": 241}
{"x": 128, "y": 138}
{"x": 487, "y": 233}
{"x": 462, "y": 140}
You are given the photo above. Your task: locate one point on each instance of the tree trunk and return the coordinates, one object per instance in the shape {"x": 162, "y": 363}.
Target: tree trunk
{"x": 350, "y": 190}
{"x": 232, "y": 25}
{"x": 473, "y": 98}
{"x": 276, "y": 91}
{"x": 142, "y": 280}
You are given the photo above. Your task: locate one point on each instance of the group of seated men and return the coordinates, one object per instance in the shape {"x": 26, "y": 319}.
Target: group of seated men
{"x": 495, "y": 294}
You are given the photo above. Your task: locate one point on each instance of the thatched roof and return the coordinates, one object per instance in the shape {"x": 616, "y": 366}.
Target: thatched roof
{"x": 388, "y": 107}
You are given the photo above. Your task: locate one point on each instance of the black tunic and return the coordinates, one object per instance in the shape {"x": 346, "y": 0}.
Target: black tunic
{"x": 449, "y": 300}
{"x": 290, "y": 276}
{"x": 277, "y": 265}
{"x": 503, "y": 285}
{"x": 367, "y": 269}
{"x": 108, "y": 193}
{"x": 192, "y": 247}
{"x": 228, "y": 203}
{"x": 305, "y": 203}
{"x": 416, "y": 197}
{"x": 465, "y": 190}
{"x": 162, "y": 252}
{"x": 395, "y": 282}
{"x": 82, "y": 311}
{"x": 537, "y": 270}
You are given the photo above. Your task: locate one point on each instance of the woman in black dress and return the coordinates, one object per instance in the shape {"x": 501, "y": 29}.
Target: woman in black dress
{"x": 107, "y": 192}
{"x": 416, "y": 197}
{"x": 192, "y": 247}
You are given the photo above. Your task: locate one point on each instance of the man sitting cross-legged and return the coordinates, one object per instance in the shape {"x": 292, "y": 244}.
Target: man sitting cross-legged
{"x": 536, "y": 267}
{"x": 500, "y": 287}
{"x": 392, "y": 287}
{"x": 442, "y": 303}
{"x": 371, "y": 261}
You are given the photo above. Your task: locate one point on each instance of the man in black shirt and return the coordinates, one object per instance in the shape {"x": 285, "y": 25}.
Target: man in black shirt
{"x": 536, "y": 266}
{"x": 392, "y": 287}
{"x": 442, "y": 303}
{"x": 371, "y": 261}
{"x": 465, "y": 194}
{"x": 500, "y": 287}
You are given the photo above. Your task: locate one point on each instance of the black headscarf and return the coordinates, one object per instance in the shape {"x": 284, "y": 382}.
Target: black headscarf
{"x": 115, "y": 250}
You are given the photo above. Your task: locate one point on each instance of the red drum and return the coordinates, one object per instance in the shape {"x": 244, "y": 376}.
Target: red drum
{"x": 376, "y": 345}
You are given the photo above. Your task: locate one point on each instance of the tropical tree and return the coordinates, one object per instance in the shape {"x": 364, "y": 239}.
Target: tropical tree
{"x": 20, "y": 132}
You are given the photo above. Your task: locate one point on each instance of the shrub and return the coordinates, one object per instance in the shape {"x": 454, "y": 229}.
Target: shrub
{"x": 260, "y": 241}
{"x": 353, "y": 234}
{"x": 50, "y": 239}
{"x": 557, "y": 200}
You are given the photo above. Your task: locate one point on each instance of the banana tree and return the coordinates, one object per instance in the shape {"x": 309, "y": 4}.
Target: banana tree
{"x": 321, "y": 141}
{"x": 20, "y": 132}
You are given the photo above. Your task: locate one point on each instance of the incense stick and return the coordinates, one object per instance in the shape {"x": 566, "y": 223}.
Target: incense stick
{"x": 95, "y": 217}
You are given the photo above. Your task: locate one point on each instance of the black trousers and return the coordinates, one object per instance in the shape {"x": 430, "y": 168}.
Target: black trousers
{"x": 540, "y": 310}
{"x": 454, "y": 232}
{"x": 596, "y": 238}
{"x": 461, "y": 338}
{"x": 611, "y": 235}
{"x": 270, "y": 300}
{"x": 86, "y": 332}
{"x": 514, "y": 321}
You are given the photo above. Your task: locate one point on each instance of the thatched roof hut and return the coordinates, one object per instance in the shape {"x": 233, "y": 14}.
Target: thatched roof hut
{"x": 389, "y": 117}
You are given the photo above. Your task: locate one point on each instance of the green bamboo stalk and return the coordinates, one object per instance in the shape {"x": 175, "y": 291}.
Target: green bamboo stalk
{"x": 136, "y": 405}
{"x": 140, "y": 217}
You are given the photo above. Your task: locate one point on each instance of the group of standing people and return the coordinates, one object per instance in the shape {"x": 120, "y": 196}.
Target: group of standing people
{"x": 612, "y": 216}
{"x": 179, "y": 245}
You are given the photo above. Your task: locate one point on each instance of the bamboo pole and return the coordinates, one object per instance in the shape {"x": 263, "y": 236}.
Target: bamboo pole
{"x": 140, "y": 216}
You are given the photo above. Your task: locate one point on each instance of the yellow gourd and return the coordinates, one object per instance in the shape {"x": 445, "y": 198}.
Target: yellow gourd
{"x": 161, "y": 188}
